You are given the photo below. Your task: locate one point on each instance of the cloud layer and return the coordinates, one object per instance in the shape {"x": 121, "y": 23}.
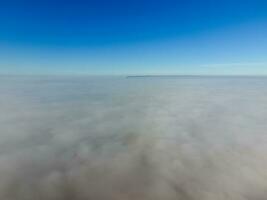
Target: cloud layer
{"x": 111, "y": 138}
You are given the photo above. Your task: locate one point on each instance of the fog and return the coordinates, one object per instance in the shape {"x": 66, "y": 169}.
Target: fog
{"x": 117, "y": 138}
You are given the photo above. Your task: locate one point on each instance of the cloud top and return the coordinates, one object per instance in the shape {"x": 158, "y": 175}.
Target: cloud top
{"x": 77, "y": 138}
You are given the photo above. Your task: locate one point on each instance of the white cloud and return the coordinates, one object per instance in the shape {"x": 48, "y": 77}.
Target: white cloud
{"x": 115, "y": 138}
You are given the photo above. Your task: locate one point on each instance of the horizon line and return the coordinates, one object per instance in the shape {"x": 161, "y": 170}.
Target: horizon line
{"x": 141, "y": 75}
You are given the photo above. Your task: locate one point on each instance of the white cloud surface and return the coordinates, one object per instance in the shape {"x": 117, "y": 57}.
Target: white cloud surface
{"x": 112, "y": 138}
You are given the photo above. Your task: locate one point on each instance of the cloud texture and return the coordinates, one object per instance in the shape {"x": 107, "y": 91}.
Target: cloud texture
{"x": 112, "y": 138}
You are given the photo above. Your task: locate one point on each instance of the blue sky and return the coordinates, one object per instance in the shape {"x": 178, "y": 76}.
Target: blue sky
{"x": 133, "y": 37}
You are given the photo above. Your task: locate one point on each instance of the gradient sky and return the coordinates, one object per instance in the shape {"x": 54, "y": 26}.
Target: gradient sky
{"x": 133, "y": 37}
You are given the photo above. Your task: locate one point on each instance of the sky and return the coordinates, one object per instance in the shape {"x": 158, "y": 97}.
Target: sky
{"x": 102, "y": 37}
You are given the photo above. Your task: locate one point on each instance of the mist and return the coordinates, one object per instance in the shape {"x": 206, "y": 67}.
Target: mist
{"x": 117, "y": 138}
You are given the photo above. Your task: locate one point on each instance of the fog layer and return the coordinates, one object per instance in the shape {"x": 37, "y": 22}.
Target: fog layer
{"x": 117, "y": 138}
